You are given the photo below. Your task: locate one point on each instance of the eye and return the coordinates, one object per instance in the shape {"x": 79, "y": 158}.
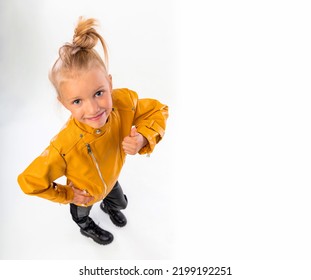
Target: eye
{"x": 99, "y": 93}
{"x": 76, "y": 102}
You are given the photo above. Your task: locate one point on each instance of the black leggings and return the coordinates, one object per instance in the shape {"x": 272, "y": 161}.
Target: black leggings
{"x": 115, "y": 200}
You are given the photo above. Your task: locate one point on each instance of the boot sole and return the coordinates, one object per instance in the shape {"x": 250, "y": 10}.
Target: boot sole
{"x": 95, "y": 239}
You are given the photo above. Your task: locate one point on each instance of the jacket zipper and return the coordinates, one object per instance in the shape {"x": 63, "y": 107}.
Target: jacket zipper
{"x": 96, "y": 165}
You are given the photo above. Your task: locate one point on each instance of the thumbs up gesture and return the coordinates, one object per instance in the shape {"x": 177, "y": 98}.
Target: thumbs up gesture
{"x": 134, "y": 142}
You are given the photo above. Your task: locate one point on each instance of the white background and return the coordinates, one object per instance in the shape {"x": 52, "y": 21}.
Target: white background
{"x": 140, "y": 43}
{"x": 231, "y": 179}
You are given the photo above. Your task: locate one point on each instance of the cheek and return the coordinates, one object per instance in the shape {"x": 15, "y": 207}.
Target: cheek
{"x": 75, "y": 112}
{"x": 72, "y": 109}
{"x": 106, "y": 102}
{"x": 110, "y": 103}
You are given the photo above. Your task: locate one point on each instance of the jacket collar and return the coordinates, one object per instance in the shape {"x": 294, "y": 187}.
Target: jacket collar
{"x": 91, "y": 130}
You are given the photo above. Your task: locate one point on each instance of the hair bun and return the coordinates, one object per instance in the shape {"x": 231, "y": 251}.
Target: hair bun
{"x": 85, "y": 36}
{"x": 81, "y": 53}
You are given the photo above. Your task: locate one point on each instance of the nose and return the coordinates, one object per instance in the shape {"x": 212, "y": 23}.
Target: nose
{"x": 92, "y": 107}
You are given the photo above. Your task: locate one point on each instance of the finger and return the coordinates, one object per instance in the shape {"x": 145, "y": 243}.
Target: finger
{"x": 126, "y": 148}
{"x": 133, "y": 131}
{"x": 129, "y": 150}
{"x": 130, "y": 140}
{"x": 87, "y": 200}
{"x": 90, "y": 199}
{"x": 128, "y": 143}
{"x": 82, "y": 199}
{"x": 79, "y": 192}
{"x": 129, "y": 147}
{"x": 127, "y": 139}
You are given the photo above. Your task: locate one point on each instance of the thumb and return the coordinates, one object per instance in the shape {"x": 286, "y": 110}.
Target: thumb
{"x": 133, "y": 131}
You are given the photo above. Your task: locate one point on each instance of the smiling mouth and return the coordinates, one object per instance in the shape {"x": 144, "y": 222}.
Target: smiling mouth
{"x": 96, "y": 117}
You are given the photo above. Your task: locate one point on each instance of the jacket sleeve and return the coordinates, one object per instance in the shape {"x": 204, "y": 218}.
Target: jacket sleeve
{"x": 150, "y": 121}
{"x": 38, "y": 178}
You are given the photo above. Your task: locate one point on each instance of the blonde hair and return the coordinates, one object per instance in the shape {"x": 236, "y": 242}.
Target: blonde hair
{"x": 80, "y": 54}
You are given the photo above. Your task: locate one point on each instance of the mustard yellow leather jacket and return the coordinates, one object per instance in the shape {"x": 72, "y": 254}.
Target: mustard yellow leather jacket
{"x": 92, "y": 158}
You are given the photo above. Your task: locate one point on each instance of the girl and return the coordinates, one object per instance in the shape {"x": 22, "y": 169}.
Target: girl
{"x": 105, "y": 125}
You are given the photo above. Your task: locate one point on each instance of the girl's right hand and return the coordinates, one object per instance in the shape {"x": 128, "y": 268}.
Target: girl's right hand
{"x": 80, "y": 197}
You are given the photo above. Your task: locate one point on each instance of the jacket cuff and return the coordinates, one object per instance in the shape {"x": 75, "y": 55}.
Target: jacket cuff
{"x": 65, "y": 193}
{"x": 153, "y": 133}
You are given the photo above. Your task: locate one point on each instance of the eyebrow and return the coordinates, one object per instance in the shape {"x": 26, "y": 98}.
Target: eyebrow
{"x": 74, "y": 98}
{"x": 101, "y": 88}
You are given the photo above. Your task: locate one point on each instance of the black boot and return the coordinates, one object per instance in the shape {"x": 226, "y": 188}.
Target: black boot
{"x": 116, "y": 216}
{"x": 96, "y": 233}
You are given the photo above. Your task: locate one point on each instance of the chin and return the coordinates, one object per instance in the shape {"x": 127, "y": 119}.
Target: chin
{"x": 97, "y": 125}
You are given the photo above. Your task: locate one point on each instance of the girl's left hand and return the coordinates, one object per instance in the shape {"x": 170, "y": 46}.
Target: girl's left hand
{"x": 134, "y": 142}
{"x": 81, "y": 197}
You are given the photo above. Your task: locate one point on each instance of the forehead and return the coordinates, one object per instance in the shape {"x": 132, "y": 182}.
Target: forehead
{"x": 92, "y": 72}
{"x": 78, "y": 82}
